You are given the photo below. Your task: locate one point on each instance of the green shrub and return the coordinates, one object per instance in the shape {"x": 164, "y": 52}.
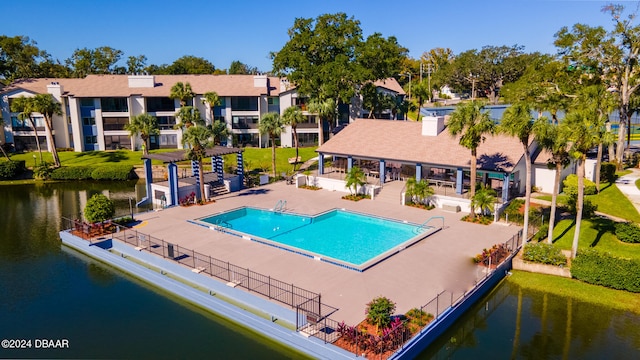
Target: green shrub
{"x": 571, "y": 186}
{"x": 628, "y": 232}
{"x": 513, "y": 211}
{"x": 608, "y": 172}
{"x": 379, "y": 312}
{"x": 99, "y": 208}
{"x": 112, "y": 172}
{"x": 72, "y": 173}
{"x": 11, "y": 169}
{"x": 542, "y": 233}
{"x": 43, "y": 170}
{"x": 588, "y": 208}
{"x": 594, "y": 267}
{"x": 544, "y": 254}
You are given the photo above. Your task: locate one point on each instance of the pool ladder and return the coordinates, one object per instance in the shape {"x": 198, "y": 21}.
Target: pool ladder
{"x": 420, "y": 228}
{"x": 280, "y": 206}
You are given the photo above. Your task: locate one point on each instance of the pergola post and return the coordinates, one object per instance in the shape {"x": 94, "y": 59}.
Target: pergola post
{"x": 220, "y": 168}
{"x": 148, "y": 179}
{"x": 240, "y": 168}
{"x": 213, "y": 164}
{"x": 349, "y": 163}
{"x": 172, "y": 168}
{"x": 459, "y": 181}
{"x": 195, "y": 172}
{"x": 505, "y": 188}
{"x": 382, "y": 170}
{"x": 320, "y": 163}
{"x": 418, "y": 172}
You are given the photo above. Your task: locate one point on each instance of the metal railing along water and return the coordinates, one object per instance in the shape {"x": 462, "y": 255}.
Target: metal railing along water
{"x": 234, "y": 275}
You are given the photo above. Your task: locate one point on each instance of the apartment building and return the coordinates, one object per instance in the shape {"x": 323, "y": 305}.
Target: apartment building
{"x": 96, "y": 108}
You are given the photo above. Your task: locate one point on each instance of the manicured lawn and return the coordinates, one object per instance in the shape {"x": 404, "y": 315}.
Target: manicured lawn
{"x": 610, "y": 201}
{"x": 256, "y": 158}
{"x": 638, "y": 184}
{"x": 598, "y": 233}
{"x": 616, "y": 299}
{"x": 70, "y": 158}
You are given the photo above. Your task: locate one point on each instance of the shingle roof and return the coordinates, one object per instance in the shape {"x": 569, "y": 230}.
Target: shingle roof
{"x": 118, "y": 85}
{"x": 391, "y": 84}
{"x": 402, "y": 141}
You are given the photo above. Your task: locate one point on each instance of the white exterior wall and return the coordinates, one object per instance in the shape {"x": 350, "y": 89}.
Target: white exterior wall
{"x": 76, "y": 124}
{"x": 58, "y": 122}
{"x": 590, "y": 169}
{"x": 544, "y": 177}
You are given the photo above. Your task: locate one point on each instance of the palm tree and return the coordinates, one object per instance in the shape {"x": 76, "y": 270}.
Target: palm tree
{"x": 472, "y": 123}
{"x": 271, "y": 124}
{"x": 198, "y": 139}
{"x": 188, "y": 116}
{"x": 550, "y": 138}
{"x": 419, "y": 190}
{"x": 326, "y": 109}
{"x": 219, "y": 131}
{"x": 182, "y": 92}
{"x": 354, "y": 178}
{"x": 517, "y": 122}
{"x": 421, "y": 91}
{"x": 583, "y": 135}
{"x": 48, "y": 106}
{"x": 484, "y": 199}
{"x": 146, "y": 126}
{"x": 24, "y": 106}
{"x": 211, "y": 99}
{"x": 293, "y": 116}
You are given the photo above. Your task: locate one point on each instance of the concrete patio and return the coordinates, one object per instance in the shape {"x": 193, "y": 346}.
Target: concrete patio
{"x": 410, "y": 278}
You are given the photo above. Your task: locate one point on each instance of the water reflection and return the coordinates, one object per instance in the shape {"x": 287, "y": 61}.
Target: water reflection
{"x": 518, "y": 323}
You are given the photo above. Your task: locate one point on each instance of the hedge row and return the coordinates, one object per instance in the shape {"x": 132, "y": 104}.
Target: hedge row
{"x": 594, "y": 267}
{"x": 544, "y": 254}
{"x": 628, "y": 232}
{"x": 11, "y": 169}
{"x": 102, "y": 172}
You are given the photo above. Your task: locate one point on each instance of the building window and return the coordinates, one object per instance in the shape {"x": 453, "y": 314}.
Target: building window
{"x": 244, "y": 103}
{"x": 246, "y": 140}
{"x": 87, "y": 102}
{"x": 90, "y": 140}
{"x": 115, "y": 142}
{"x": 115, "y": 123}
{"x": 244, "y": 122}
{"x": 168, "y": 141}
{"x": 114, "y": 104}
{"x": 306, "y": 139}
{"x": 88, "y": 121}
{"x": 155, "y": 104}
{"x": 302, "y": 103}
{"x": 166, "y": 122}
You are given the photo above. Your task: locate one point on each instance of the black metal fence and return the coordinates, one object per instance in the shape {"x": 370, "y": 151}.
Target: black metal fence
{"x": 234, "y": 275}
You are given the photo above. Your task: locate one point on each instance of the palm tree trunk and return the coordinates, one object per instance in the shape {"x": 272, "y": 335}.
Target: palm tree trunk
{"x": 579, "y": 204}
{"x": 527, "y": 191}
{"x": 52, "y": 142}
{"x": 554, "y": 201}
{"x": 295, "y": 138}
{"x": 472, "y": 181}
{"x": 273, "y": 155}
{"x": 35, "y": 131}
{"x": 320, "y": 131}
{"x": 598, "y": 163}
{"x": 4, "y": 152}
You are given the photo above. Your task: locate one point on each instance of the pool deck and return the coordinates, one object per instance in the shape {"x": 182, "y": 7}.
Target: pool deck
{"x": 410, "y": 278}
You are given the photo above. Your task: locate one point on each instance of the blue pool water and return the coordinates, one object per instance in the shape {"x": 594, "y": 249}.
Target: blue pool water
{"x": 337, "y": 234}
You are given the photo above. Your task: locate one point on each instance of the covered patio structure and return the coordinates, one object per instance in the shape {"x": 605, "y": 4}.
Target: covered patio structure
{"x": 394, "y": 150}
{"x": 173, "y": 186}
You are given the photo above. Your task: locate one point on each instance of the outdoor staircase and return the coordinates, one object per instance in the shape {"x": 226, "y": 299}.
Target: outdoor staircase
{"x": 218, "y": 189}
{"x": 390, "y": 192}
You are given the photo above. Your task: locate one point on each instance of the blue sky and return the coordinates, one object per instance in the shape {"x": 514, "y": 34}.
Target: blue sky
{"x": 223, "y": 31}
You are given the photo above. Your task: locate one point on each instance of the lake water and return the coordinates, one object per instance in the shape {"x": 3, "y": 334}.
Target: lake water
{"x": 48, "y": 291}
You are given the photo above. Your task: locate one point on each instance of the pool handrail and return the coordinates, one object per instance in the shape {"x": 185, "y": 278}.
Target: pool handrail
{"x": 280, "y": 205}
{"x": 424, "y": 224}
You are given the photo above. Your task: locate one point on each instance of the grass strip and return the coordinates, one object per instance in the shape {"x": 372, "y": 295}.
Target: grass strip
{"x": 575, "y": 289}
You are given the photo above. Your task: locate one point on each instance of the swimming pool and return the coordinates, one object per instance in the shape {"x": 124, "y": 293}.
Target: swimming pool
{"x": 344, "y": 238}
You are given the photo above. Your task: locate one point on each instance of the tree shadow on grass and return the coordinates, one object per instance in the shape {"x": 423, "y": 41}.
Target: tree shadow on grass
{"x": 564, "y": 232}
{"x": 603, "y": 226}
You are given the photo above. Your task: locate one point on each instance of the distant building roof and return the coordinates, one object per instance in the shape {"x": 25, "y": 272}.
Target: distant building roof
{"x": 402, "y": 141}
{"x": 390, "y": 84}
{"x": 118, "y": 85}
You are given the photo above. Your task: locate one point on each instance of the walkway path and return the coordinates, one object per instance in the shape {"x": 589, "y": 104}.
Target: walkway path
{"x": 627, "y": 185}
